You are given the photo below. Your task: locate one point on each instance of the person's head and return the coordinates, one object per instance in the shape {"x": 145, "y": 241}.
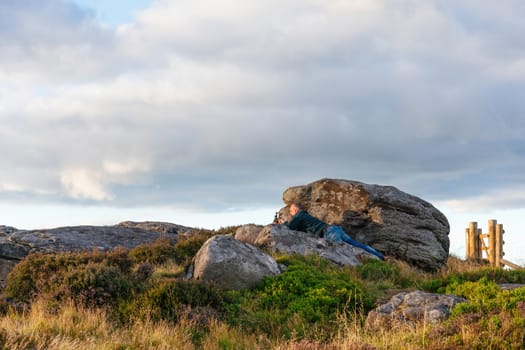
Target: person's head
{"x": 295, "y": 208}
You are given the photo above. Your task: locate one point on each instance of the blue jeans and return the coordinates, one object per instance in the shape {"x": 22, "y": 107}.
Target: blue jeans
{"x": 336, "y": 234}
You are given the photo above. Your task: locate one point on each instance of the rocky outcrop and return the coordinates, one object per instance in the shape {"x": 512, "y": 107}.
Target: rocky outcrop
{"x": 75, "y": 238}
{"x": 280, "y": 239}
{"x": 413, "y": 307}
{"x": 394, "y": 222}
{"x": 17, "y": 244}
{"x": 232, "y": 264}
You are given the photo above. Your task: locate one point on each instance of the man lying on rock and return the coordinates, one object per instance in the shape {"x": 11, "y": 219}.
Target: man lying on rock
{"x": 302, "y": 221}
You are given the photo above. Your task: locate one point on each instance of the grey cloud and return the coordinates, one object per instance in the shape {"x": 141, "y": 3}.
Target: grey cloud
{"x": 52, "y": 41}
{"x": 230, "y": 114}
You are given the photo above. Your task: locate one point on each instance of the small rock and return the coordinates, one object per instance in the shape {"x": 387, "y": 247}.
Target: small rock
{"x": 413, "y": 307}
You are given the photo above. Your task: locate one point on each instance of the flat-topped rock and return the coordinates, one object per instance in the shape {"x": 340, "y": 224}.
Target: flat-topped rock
{"x": 74, "y": 238}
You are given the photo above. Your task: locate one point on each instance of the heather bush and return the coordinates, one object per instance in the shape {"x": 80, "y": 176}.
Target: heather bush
{"x": 157, "y": 252}
{"x": 164, "y": 250}
{"x": 91, "y": 277}
{"x": 187, "y": 248}
{"x": 95, "y": 284}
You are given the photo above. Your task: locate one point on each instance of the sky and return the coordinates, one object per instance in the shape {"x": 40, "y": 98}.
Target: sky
{"x": 203, "y": 112}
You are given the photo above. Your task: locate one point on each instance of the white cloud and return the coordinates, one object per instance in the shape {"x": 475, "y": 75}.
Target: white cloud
{"x": 95, "y": 184}
{"x": 85, "y": 184}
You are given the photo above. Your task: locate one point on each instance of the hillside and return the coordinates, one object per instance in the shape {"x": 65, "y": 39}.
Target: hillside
{"x": 137, "y": 299}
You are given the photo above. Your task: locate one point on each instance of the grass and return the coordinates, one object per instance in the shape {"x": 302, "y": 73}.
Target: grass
{"x": 137, "y": 300}
{"x": 76, "y": 327}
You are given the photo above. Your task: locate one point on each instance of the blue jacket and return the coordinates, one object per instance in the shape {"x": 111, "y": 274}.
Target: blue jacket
{"x": 302, "y": 221}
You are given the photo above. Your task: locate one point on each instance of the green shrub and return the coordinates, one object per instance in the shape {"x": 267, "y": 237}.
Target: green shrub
{"x": 486, "y": 296}
{"x": 498, "y": 276}
{"x": 376, "y": 270}
{"x": 308, "y": 296}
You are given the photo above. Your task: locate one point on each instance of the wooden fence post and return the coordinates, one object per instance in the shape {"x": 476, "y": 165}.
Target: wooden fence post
{"x": 499, "y": 245}
{"x": 473, "y": 243}
{"x": 492, "y": 243}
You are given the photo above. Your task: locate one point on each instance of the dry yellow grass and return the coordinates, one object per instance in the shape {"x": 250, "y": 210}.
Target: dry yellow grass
{"x": 170, "y": 269}
{"x": 457, "y": 265}
{"x": 73, "y": 327}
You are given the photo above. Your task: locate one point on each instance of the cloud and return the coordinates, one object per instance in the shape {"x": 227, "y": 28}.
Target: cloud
{"x": 95, "y": 184}
{"x": 84, "y": 184}
{"x": 225, "y": 105}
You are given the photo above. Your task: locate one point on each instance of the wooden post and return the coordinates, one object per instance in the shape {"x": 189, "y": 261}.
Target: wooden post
{"x": 499, "y": 245}
{"x": 473, "y": 240}
{"x": 492, "y": 243}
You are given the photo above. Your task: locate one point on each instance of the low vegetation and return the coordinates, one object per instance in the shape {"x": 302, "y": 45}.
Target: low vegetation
{"x": 137, "y": 299}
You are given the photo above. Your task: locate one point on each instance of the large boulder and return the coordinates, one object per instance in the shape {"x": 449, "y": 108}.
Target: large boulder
{"x": 232, "y": 264}
{"x": 413, "y": 307}
{"x": 394, "y": 222}
{"x": 280, "y": 239}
